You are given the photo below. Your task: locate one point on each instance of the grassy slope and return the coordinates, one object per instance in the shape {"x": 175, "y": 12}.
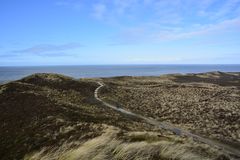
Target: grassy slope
{"x": 50, "y": 116}
{"x": 44, "y": 110}
{"x": 207, "y": 103}
{"x": 116, "y": 145}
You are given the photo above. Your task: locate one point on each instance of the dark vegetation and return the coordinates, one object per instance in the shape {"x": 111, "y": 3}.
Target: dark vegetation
{"x": 51, "y": 110}
{"x": 218, "y": 78}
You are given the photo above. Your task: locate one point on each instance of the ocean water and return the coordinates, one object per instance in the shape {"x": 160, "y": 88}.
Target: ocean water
{"x": 14, "y": 73}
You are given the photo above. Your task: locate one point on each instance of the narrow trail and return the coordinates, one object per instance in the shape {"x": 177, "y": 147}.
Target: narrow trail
{"x": 178, "y": 131}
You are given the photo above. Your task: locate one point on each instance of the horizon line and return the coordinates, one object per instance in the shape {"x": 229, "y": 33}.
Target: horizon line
{"x": 69, "y": 65}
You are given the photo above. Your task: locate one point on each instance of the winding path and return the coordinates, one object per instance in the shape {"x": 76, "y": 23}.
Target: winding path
{"x": 178, "y": 131}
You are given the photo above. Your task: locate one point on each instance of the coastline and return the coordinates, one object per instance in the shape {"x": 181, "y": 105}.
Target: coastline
{"x": 107, "y": 71}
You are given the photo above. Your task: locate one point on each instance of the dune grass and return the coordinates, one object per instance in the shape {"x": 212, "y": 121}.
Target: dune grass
{"x": 110, "y": 146}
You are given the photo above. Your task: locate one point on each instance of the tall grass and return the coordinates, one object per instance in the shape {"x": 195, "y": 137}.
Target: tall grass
{"x": 109, "y": 146}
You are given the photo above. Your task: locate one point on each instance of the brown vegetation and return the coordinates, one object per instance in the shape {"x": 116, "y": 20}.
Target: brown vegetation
{"x": 49, "y": 110}
{"x": 50, "y": 116}
{"x": 207, "y": 104}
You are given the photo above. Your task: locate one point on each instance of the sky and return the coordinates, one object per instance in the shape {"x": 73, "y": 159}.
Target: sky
{"x": 99, "y": 32}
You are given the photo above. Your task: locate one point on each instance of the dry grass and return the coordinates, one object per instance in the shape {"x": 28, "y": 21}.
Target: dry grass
{"x": 110, "y": 146}
{"x": 49, "y": 116}
{"x": 208, "y": 103}
{"x": 47, "y": 110}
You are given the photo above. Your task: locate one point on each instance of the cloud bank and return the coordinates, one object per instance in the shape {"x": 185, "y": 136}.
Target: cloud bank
{"x": 163, "y": 20}
{"x": 48, "y": 48}
{"x": 54, "y": 50}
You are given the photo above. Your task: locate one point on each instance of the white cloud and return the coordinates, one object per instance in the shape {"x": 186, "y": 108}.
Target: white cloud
{"x": 47, "y": 49}
{"x": 221, "y": 11}
{"x": 99, "y": 11}
{"x": 233, "y": 24}
{"x": 150, "y": 34}
{"x": 157, "y": 20}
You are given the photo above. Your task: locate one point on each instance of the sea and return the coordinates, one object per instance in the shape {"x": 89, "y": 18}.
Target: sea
{"x": 10, "y": 73}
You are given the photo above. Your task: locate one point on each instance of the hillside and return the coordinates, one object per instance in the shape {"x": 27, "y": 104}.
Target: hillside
{"x": 51, "y": 116}
{"x": 207, "y": 103}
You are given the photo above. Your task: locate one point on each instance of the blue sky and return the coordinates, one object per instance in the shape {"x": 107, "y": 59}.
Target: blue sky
{"x": 83, "y": 32}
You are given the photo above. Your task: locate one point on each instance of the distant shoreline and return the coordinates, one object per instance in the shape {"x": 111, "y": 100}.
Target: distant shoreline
{"x": 120, "y": 76}
{"x": 123, "y": 65}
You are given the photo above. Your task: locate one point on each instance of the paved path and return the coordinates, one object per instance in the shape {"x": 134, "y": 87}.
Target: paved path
{"x": 167, "y": 126}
